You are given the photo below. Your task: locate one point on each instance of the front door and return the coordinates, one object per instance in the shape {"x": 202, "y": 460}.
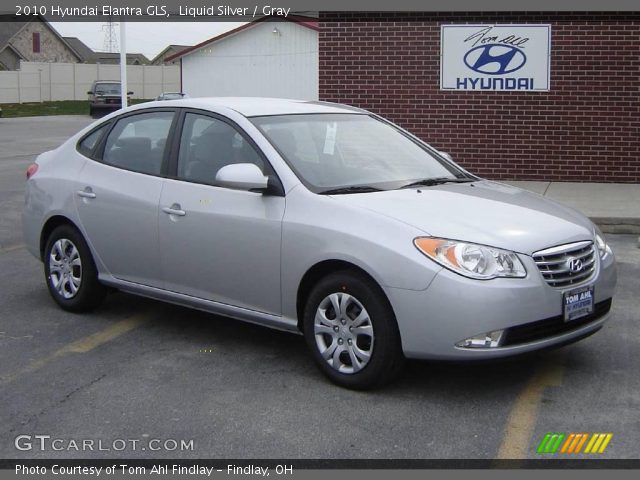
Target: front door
{"x": 217, "y": 243}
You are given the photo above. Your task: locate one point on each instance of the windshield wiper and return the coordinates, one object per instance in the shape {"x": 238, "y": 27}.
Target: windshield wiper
{"x": 429, "y": 182}
{"x": 352, "y": 189}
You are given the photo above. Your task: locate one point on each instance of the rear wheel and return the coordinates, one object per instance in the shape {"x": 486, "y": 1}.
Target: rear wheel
{"x": 70, "y": 272}
{"x": 352, "y": 332}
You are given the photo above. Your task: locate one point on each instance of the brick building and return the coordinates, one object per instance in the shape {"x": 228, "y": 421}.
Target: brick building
{"x": 585, "y": 128}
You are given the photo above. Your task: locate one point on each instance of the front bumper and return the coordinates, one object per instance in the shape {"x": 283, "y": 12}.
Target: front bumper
{"x": 106, "y": 106}
{"x": 454, "y": 308}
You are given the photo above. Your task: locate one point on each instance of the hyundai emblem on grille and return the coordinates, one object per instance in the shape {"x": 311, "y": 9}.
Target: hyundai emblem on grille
{"x": 575, "y": 264}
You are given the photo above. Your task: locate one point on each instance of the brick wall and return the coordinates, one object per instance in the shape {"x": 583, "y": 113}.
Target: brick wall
{"x": 586, "y": 128}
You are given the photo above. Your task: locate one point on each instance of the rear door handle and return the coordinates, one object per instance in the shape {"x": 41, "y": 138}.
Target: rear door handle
{"x": 174, "y": 209}
{"x": 86, "y": 193}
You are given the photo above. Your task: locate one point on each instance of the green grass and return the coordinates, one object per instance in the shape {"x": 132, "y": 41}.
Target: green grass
{"x": 65, "y": 107}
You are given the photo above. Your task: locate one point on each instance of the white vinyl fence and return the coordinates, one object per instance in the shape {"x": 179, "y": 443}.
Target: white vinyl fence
{"x": 39, "y": 82}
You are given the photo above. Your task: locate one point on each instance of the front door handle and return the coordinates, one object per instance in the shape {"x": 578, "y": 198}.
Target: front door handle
{"x": 86, "y": 193}
{"x": 174, "y": 209}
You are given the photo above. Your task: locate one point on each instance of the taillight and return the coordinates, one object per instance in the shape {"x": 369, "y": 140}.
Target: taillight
{"x": 31, "y": 170}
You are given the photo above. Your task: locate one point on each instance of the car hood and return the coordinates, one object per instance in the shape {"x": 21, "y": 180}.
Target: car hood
{"x": 483, "y": 212}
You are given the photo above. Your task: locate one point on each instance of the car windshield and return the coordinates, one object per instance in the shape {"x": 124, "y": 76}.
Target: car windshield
{"x": 107, "y": 89}
{"x": 338, "y": 151}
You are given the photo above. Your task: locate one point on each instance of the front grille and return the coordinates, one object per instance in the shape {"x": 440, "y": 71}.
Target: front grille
{"x": 554, "y": 263}
{"x": 549, "y": 327}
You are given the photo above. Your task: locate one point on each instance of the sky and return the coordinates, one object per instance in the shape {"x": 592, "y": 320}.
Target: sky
{"x": 149, "y": 38}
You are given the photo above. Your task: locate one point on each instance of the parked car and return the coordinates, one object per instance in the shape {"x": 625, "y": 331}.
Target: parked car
{"x": 171, "y": 96}
{"x": 105, "y": 95}
{"x": 315, "y": 218}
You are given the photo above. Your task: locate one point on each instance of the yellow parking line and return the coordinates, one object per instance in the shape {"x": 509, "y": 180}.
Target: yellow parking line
{"x": 522, "y": 418}
{"x": 11, "y": 248}
{"x": 83, "y": 345}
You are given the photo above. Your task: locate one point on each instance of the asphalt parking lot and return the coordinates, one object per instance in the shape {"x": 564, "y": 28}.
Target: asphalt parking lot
{"x": 140, "y": 369}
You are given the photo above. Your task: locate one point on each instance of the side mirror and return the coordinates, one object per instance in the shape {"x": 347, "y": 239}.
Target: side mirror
{"x": 242, "y": 176}
{"x": 89, "y": 92}
{"x": 446, "y": 155}
{"x": 129, "y": 93}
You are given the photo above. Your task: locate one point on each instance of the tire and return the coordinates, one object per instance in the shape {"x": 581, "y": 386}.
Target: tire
{"x": 92, "y": 112}
{"x": 70, "y": 272}
{"x": 363, "y": 344}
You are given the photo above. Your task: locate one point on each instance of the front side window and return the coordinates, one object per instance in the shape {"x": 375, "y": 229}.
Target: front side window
{"x": 330, "y": 151}
{"x": 138, "y": 142}
{"x": 208, "y": 144}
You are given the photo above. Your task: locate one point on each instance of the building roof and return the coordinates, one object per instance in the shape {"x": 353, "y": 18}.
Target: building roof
{"x": 8, "y": 29}
{"x": 83, "y": 50}
{"x": 114, "y": 58}
{"x": 308, "y": 22}
{"x": 13, "y": 49}
{"x": 90, "y": 56}
{"x": 258, "y": 106}
{"x": 175, "y": 48}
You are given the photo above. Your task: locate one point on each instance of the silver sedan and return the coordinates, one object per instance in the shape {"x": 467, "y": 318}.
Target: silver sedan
{"x": 315, "y": 218}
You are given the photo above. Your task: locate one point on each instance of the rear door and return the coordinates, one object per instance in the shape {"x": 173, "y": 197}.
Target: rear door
{"x": 119, "y": 191}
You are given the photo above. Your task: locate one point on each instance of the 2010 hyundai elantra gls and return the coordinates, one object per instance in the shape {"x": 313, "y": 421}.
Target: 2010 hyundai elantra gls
{"x": 315, "y": 218}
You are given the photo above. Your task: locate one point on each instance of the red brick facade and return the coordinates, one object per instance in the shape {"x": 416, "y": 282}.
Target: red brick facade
{"x": 586, "y": 128}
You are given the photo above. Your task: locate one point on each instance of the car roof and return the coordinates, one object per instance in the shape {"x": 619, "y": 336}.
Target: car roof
{"x": 258, "y": 106}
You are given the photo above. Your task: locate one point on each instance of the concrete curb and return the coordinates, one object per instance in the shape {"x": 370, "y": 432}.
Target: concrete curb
{"x": 618, "y": 224}
{"x": 614, "y": 207}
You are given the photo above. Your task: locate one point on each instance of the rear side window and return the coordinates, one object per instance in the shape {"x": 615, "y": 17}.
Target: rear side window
{"x": 138, "y": 142}
{"x": 88, "y": 143}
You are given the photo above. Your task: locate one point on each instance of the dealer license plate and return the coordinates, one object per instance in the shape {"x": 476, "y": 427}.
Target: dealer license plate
{"x": 578, "y": 303}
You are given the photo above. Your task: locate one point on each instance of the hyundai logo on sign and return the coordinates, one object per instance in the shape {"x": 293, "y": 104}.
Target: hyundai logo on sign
{"x": 495, "y": 59}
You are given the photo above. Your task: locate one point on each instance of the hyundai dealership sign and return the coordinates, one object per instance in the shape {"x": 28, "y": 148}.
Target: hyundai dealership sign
{"x": 495, "y": 57}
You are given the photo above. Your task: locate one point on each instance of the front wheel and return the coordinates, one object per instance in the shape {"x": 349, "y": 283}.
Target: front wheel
{"x": 352, "y": 332}
{"x": 70, "y": 271}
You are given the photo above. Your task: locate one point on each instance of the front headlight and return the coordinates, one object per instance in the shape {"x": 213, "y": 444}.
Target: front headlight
{"x": 603, "y": 248}
{"x": 470, "y": 259}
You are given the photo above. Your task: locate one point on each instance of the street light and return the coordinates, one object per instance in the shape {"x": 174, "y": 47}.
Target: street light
{"x": 123, "y": 64}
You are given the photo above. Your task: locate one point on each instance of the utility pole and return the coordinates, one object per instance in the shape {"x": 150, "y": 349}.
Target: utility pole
{"x": 110, "y": 39}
